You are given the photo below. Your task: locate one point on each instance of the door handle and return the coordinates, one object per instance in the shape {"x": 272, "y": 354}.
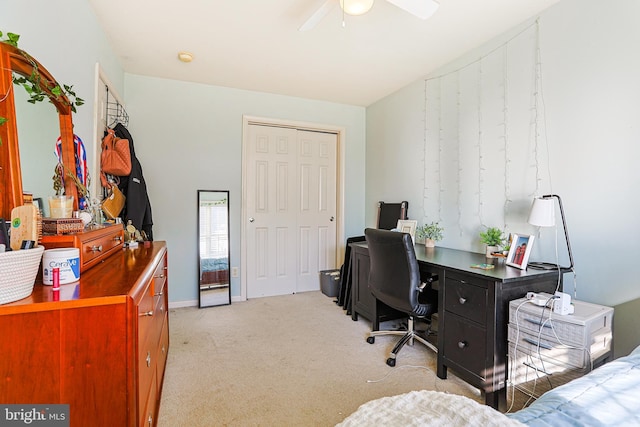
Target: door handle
{"x": 251, "y": 219}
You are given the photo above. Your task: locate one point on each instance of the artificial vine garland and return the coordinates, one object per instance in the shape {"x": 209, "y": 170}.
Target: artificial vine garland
{"x": 32, "y": 84}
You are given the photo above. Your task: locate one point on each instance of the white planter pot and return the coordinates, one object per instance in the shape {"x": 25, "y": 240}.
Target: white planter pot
{"x": 429, "y": 243}
{"x": 490, "y": 250}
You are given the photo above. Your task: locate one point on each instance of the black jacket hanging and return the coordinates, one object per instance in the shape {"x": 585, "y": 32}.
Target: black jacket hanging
{"x": 138, "y": 207}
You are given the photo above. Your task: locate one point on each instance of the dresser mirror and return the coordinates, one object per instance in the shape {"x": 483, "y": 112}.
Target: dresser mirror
{"x": 213, "y": 248}
{"x": 37, "y": 143}
{"x": 37, "y": 126}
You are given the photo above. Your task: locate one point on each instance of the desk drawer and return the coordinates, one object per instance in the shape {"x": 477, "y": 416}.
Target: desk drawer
{"x": 466, "y": 299}
{"x": 465, "y": 344}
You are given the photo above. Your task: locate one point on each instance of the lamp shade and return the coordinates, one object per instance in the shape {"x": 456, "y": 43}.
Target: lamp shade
{"x": 543, "y": 212}
{"x": 356, "y": 7}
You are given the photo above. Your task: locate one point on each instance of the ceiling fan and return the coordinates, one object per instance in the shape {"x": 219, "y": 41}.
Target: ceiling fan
{"x": 422, "y": 9}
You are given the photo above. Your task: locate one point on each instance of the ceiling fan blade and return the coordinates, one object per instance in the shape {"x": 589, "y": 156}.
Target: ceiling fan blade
{"x": 317, "y": 15}
{"x": 423, "y": 9}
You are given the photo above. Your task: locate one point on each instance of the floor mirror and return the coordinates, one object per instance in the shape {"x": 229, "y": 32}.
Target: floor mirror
{"x": 213, "y": 248}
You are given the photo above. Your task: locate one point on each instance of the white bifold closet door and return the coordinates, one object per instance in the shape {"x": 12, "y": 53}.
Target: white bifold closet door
{"x": 291, "y": 209}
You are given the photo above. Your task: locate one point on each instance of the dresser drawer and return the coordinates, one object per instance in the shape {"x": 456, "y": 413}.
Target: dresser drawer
{"x": 466, "y": 299}
{"x": 101, "y": 246}
{"x": 147, "y": 360}
{"x": 148, "y": 406}
{"x": 163, "y": 351}
{"x": 466, "y": 344}
{"x": 94, "y": 244}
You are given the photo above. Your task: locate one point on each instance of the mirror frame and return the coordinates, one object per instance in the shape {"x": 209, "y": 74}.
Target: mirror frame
{"x": 212, "y": 286}
{"x": 15, "y": 60}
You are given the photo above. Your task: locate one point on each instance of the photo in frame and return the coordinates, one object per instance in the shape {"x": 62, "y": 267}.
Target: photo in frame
{"x": 408, "y": 226}
{"x": 521, "y": 245}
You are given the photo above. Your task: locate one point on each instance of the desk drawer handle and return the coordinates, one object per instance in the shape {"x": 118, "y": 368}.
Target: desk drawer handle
{"x": 150, "y": 421}
{"x": 148, "y": 359}
{"x": 96, "y": 248}
{"x": 148, "y": 313}
{"x": 161, "y": 276}
{"x": 462, "y": 344}
{"x": 159, "y": 294}
{"x": 117, "y": 239}
{"x": 462, "y": 300}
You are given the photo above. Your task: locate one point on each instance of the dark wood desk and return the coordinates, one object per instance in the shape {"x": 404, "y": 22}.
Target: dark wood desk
{"x": 473, "y": 307}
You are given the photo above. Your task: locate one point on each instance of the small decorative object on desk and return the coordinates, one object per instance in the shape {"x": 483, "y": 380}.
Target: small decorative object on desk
{"x": 18, "y": 270}
{"x": 431, "y": 233}
{"x": 483, "y": 266}
{"x": 493, "y": 238}
{"x": 520, "y": 250}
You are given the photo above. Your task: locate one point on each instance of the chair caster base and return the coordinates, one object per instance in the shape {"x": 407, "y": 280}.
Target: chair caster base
{"x": 391, "y": 362}
{"x": 371, "y": 340}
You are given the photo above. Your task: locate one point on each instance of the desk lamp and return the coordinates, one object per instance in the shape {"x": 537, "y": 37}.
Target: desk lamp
{"x": 543, "y": 215}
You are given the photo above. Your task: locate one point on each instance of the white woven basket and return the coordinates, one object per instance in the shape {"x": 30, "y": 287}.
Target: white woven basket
{"x": 18, "y": 271}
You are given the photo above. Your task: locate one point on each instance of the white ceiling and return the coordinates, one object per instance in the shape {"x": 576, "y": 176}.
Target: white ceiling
{"x": 256, "y": 45}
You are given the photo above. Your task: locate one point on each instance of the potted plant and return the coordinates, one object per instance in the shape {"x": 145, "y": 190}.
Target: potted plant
{"x": 493, "y": 238}
{"x": 431, "y": 233}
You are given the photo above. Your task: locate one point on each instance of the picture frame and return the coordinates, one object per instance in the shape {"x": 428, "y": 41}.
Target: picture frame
{"x": 408, "y": 226}
{"x": 521, "y": 245}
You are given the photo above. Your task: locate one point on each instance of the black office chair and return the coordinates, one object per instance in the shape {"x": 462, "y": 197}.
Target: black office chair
{"x": 394, "y": 280}
{"x": 390, "y": 213}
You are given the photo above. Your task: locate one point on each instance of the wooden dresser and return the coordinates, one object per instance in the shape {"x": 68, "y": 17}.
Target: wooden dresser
{"x": 99, "y": 345}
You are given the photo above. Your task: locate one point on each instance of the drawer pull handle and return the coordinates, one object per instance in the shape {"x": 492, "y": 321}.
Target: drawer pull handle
{"x": 150, "y": 421}
{"x": 537, "y": 343}
{"x": 147, "y": 313}
{"x": 159, "y": 294}
{"x": 117, "y": 239}
{"x": 462, "y": 344}
{"x": 148, "y": 359}
{"x": 96, "y": 248}
{"x": 161, "y": 276}
{"x": 538, "y": 323}
{"x": 462, "y": 300}
{"x": 164, "y": 350}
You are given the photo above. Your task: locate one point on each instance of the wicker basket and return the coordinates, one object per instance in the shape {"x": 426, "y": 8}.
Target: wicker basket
{"x": 18, "y": 271}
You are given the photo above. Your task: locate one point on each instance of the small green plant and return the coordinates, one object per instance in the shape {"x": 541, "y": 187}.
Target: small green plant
{"x": 493, "y": 236}
{"x": 431, "y": 231}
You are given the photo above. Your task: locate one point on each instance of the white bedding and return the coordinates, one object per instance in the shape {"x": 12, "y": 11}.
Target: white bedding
{"x": 426, "y": 408}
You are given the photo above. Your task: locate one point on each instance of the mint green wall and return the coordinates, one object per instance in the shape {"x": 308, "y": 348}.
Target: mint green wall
{"x": 590, "y": 88}
{"x": 189, "y": 136}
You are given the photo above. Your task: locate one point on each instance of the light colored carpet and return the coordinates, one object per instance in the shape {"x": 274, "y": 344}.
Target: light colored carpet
{"x": 294, "y": 360}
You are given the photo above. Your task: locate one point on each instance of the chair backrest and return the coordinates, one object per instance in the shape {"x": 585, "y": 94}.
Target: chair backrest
{"x": 394, "y": 274}
{"x": 390, "y": 213}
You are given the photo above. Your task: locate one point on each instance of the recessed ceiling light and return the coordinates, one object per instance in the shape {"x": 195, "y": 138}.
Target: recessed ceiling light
{"x": 185, "y": 56}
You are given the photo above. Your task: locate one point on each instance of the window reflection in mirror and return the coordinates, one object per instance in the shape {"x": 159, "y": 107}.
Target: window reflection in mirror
{"x": 213, "y": 248}
{"x": 38, "y": 129}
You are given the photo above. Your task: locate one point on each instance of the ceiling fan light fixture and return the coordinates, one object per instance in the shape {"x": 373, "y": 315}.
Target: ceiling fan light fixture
{"x": 356, "y": 7}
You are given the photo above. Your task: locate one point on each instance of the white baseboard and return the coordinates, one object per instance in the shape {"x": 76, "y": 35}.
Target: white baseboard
{"x": 194, "y": 303}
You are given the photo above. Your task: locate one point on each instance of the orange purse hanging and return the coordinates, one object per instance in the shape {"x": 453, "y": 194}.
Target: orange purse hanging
{"x": 115, "y": 158}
